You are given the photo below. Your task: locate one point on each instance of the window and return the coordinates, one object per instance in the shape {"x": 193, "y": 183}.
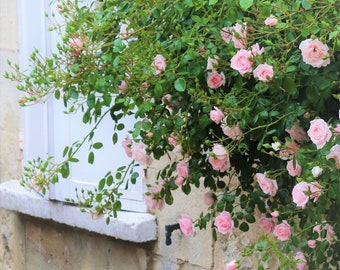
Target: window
{"x": 47, "y": 130}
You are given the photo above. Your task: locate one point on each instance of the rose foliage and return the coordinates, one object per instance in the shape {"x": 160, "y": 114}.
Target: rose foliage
{"x": 245, "y": 92}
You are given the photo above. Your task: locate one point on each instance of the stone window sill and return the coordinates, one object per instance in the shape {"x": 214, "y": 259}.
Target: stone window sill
{"x": 129, "y": 226}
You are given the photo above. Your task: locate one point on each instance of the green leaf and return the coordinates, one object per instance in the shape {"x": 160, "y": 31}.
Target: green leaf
{"x": 180, "y": 85}
{"x": 244, "y": 227}
{"x": 97, "y": 145}
{"x": 90, "y": 158}
{"x": 115, "y": 138}
{"x": 101, "y": 184}
{"x": 245, "y": 4}
{"x": 212, "y": 2}
{"x": 158, "y": 90}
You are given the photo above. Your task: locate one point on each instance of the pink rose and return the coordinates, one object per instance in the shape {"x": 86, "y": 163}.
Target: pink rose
{"x": 139, "y": 154}
{"x": 289, "y": 150}
{"x": 232, "y": 265}
{"x": 314, "y": 53}
{"x": 297, "y": 133}
{"x": 216, "y": 115}
{"x": 271, "y": 21}
{"x": 179, "y": 181}
{"x": 215, "y": 80}
{"x": 186, "y": 225}
{"x": 241, "y": 61}
{"x": 126, "y": 144}
{"x": 153, "y": 200}
{"x": 224, "y": 222}
{"x": 301, "y": 194}
{"x": 159, "y": 64}
{"x": 275, "y": 213}
{"x": 182, "y": 169}
{"x": 337, "y": 129}
{"x": 227, "y": 34}
{"x": 282, "y": 231}
{"x": 212, "y": 63}
{"x": 264, "y": 72}
{"x": 172, "y": 140}
{"x": 335, "y": 154}
{"x": 209, "y": 198}
{"x": 311, "y": 243}
{"x": 319, "y": 132}
{"x": 76, "y": 45}
{"x": 255, "y": 49}
{"x": 329, "y": 231}
{"x": 302, "y": 262}
{"x": 239, "y": 36}
{"x": 235, "y": 133}
{"x": 268, "y": 186}
{"x": 267, "y": 225}
{"x": 123, "y": 85}
{"x": 293, "y": 170}
{"x": 315, "y": 191}
{"x": 219, "y": 159}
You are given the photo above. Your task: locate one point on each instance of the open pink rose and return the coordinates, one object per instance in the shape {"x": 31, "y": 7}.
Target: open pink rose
{"x": 231, "y": 265}
{"x": 235, "y": 133}
{"x": 242, "y": 62}
{"x": 319, "y": 132}
{"x": 282, "y": 231}
{"x": 297, "y": 133}
{"x": 224, "y": 222}
{"x": 215, "y": 80}
{"x": 335, "y": 154}
{"x": 268, "y": 186}
{"x": 186, "y": 225}
{"x": 267, "y": 225}
{"x": 182, "y": 169}
{"x": 153, "y": 199}
{"x": 237, "y": 34}
{"x": 314, "y": 53}
{"x": 271, "y": 21}
{"x": 76, "y": 46}
{"x": 126, "y": 144}
{"x": 172, "y": 140}
{"x": 179, "y": 181}
{"x": 311, "y": 243}
{"x": 264, "y": 72}
{"x": 219, "y": 159}
{"x": 302, "y": 262}
{"x": 216, "y": 115}
{"x": 300, "y": 194}
{"x": 139, "y": 154}
{"x": 256, "y": 50}
{"x": 293, "y": 170}
{"x": 159, "y": 64}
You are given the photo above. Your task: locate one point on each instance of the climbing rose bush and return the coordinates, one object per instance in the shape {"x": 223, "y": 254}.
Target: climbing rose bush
{"x": 244, "y": 93}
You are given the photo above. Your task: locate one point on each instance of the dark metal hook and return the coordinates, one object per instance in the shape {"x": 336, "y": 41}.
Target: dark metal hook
{"x": 168, "y": 230}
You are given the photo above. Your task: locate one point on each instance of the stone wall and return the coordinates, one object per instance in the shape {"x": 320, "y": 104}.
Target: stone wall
{"x": 31, "y": 243}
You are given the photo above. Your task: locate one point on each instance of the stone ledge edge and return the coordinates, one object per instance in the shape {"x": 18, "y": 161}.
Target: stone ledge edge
{"x": 129, "y": 226}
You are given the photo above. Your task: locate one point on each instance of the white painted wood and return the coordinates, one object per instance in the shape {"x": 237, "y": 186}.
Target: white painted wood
{"x": 47, "y": 130}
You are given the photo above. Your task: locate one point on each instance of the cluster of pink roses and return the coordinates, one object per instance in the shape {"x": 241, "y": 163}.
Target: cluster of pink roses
{"x": 136, "y": 151}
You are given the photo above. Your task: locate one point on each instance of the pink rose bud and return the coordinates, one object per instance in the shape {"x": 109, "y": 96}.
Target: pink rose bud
{"x": 224, "y": 222}
{"x": 314, "y": 53}
{"x": 311, "y": 243}
{"x": 271, "y": 21}
{"x": 275, "y": 214}
{"x": 209, "y": 198}
{"x": 232, "y": 265}
{"x": 186, "y": 225}
{"x": 179, "y": 181}
{"x": 159, "y": 64}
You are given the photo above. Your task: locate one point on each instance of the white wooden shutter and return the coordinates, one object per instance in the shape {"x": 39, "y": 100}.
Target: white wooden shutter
{"x": 47, "y": 130}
